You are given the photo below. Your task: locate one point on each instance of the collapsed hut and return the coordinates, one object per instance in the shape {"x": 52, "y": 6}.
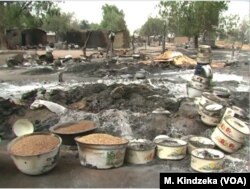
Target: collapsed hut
{"x": 27, "y": 37}
{"x": 96, "y": 38}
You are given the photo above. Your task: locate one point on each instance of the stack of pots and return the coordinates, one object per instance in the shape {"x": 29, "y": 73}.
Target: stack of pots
{"x": 203, "y": 73}
{"x": 230, "y": 134}
{"x": 211, "y": 107}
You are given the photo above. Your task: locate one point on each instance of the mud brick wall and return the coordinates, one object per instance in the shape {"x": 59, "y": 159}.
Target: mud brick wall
{"x": 34, "y": 37}
{"x": 16, "y": 37}
{"x": 98, "y": 38}
{"x": 122, "y": 40}
{"x": 13, "y": 38}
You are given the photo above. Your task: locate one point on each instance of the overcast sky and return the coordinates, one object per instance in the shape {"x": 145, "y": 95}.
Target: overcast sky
{"x": 136, "y": 11}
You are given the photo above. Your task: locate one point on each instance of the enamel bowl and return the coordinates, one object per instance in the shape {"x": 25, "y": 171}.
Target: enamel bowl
{"x": 199, "y": 142}
{"x": 207, "y": 71}
{"x": 200, "y": 79}
{"x": 101, "y": 156}
{"x": 203, "y": 60}
{"x": 199, "y": 85}
{"x": 211, "y": 114}
{"x": 221, "y": 92}
{"x": 213, "y": 110}
{"x": 211, "y": 98}
{"x": 200, "y": 109}
{"x": 39, "y": 163}
{"x": 207, "y": 160}
{"x": 204, "y": 54}
{"x": 224, "y": 142}
{"x": 204, "y": 51}
{"x": 22, "y": 127}
{"x": 85, "y": 127}
{"x": 140, "y": 151}
{"x": 239, "y": 112}
{"x": 193, "y": 92}
{"x": 171, "y": 148}
{"x": 228, "y": 112}
{"x": 234, "y": 128}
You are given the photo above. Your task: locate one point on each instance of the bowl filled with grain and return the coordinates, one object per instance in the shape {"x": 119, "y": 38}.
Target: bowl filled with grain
{"x": 35, "y": 153}
{"x": 101, "y": 151}
{"x": 68, "y": 131}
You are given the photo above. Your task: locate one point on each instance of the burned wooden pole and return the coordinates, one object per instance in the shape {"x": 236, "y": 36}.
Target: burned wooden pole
{"x": 163, "y": 37}
{"x": 86, "y": 43}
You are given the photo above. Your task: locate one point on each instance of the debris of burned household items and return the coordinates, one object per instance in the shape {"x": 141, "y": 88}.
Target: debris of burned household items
{"x": 176, "y": 58}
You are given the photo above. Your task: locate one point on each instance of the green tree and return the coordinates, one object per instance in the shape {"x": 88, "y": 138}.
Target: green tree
{"x": 74, "y": 24}
{"x": 24, "y": 14}
{"x": 94, "y": 26}
{"x": 232, "y": 29}
{"x": 113, "y": 18}
{"x": 245, "y": 31}
{"x": 84, "y": 24}
{"x": 137, "y": 32}
{"x": 192, "y": 18}
{"x": 59, "y": 23}
{"x": 229, "y": 27}
{"x": 153, "y": 26}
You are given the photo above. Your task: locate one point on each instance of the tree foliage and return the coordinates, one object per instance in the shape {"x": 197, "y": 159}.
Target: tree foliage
{"x": 60, "y": 23}
{"x": 192, "y": 18}
{"x": 245, "y": 30}
{"x": 228, "y": 26}
{"x": 232, "y": 28}
{"x": 153, "y": 26}
{"x": 113, "y": 18}
{"x": 24, "y": 14}
{"x": 84, "y": 24}
{"x": 94, "y": 26}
